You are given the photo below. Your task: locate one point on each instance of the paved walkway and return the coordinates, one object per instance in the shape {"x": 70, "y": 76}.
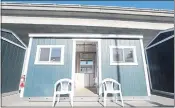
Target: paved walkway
{"x": 14, "y": 100}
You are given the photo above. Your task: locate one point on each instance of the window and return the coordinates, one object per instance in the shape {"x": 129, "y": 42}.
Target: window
{"x": 50, "y": 54}
{"x": 86, "y": 62}
{"x": 123, "y": 55}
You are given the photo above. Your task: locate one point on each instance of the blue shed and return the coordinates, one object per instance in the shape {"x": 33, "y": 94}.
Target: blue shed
{"x": 12, "y": 57}
{"x": 160, "y": 59}
{"x": 87, "y": 59}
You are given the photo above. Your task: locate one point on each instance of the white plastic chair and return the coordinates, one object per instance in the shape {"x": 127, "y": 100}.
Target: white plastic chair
{"x": 64, "y": 89}
{"x": 108, "y": 87}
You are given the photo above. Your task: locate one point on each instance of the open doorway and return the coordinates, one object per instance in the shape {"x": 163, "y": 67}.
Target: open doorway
{"x": 86, "y": 74}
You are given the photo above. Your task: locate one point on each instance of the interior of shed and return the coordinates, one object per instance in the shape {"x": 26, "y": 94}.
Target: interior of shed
{"x": 86, "y": 75}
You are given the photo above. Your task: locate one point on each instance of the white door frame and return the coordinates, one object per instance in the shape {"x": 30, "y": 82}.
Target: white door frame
{"x": 74, "y": 58}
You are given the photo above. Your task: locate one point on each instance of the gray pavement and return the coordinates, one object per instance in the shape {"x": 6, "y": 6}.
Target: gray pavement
{"x": 155, "y": 101}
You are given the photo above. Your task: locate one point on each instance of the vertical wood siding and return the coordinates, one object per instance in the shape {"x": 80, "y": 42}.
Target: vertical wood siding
{"x": 12, "y": 58}
{"x": 41, "y": 78}
{"x": 132, "y": 78}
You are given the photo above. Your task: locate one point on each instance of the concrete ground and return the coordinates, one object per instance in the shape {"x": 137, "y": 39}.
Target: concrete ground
{"x": 157, "y": 101}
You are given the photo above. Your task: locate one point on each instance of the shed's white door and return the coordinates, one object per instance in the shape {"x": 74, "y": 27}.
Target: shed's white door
{"x": 85, "y": 77}
{"x": 79, "y": 80}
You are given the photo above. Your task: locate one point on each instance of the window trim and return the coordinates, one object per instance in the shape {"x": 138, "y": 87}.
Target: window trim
{"x": 37, "y": 56}
{"x": 125, "y": 63}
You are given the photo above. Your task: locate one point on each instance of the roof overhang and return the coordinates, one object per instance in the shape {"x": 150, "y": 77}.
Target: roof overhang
{"x": 9, "y": 31}
{"x": 101, "y": 36}
{"x": 80, "y": 15}
{"x": 87, "y": 8}
{"x": 86, "y": 22}
{"x": 163, "y": 31}
{"x": 83, "y": 11}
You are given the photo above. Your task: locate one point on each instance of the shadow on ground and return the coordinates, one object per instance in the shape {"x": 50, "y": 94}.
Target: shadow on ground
{"x": 159, "y": 104}
{"x": 163, "y": 95}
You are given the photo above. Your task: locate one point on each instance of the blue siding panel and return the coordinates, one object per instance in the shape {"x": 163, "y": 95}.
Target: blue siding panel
{"x": 41, "y": 78}
{"x": 132, "y": 78}
{"x": 12, "y": 63}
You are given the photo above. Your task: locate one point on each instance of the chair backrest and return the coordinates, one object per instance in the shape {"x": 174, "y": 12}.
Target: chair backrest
{"x": 108, "y": 84}
{"x": 64, "y": 84}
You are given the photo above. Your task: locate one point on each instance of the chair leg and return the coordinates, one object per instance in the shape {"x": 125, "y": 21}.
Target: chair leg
{"x": 99, "y": 97}
{"x": 58, "y": 98}
{"x": 54, "y": 97}
{"x": 105, "y": 96}
{"x": 113, "y": 97}
{"x": 71, "y": 99}
{"x": 116, "y": 96}
{"x": 121, "y": 97}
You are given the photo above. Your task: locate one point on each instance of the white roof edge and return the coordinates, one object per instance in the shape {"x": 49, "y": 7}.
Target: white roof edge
{"x": 89, "y": 7}
{"x": 167, "y": 30}
{"x": 5, "y": 30}
{"x": 71, "y": 35}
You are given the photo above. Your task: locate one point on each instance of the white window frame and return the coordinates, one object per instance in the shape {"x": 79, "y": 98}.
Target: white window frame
{"x": 125, "y": 63}
{"x": 37, "y": 62}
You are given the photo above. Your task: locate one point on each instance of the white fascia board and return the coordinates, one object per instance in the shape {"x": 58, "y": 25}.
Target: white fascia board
{"x": 83, "y": 35}
{"x": 86, "y": 22}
